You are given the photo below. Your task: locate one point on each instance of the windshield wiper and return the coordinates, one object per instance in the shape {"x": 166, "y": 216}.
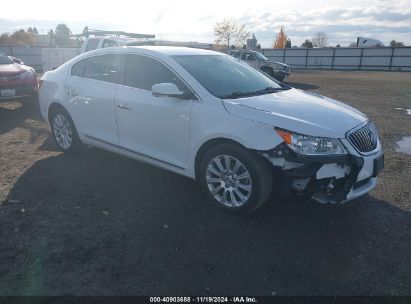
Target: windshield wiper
{"x": 271, "y": 90}
{"x": 267, "y": 90}
{"x": 238, "y": 94}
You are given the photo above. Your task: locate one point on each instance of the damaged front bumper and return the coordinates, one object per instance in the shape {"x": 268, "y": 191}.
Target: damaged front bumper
{"x": 327, "y": 179}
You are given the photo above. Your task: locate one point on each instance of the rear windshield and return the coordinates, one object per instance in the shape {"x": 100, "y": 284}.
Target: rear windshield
{"x": 223, "y": 76}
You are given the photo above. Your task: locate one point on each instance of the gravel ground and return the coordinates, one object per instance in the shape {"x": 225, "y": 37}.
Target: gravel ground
{"x": 101, "y": 224}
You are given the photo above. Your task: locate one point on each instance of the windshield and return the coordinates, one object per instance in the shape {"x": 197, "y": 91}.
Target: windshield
{"x": 4, "y": 59}
{"x": 224, "y": 77}
{"x": 260, "y": 56}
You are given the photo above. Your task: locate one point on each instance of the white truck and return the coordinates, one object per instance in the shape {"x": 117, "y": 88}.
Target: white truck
{"x": 369, "y": 42}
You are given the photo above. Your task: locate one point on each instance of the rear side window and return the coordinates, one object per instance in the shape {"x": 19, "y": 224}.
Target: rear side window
{"x": 92, "y": 44}
{"x": 78, "y": 68}
{"x": 143, "y": 72}
{"x": 103, "y": 67}
{"x": 109, "y": 43}
{"x": 236, "y": 55}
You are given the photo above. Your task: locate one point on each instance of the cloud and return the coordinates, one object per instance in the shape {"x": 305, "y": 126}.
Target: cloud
{"x": 384, "y": 20}
{"x": 342, "y": 25}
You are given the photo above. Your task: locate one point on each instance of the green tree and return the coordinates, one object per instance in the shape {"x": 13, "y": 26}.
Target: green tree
{"x": 21, "y": 37}
{"x": 307, "y": 44}
{"x": 62, "y": 35}
{"x": 394, "y": 43}
{"x": 288, "y": 43}
{"x": 51, "y": 36}
{"x": 4, "y": 38}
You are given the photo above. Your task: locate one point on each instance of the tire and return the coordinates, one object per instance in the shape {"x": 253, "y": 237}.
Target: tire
{"x": 223, "y": 187}
{"x": 64, "y": 132}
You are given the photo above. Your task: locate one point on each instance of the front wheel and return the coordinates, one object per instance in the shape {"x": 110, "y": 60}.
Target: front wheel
{"x": 64, "y": 132}
{"x": 235, "y": 179}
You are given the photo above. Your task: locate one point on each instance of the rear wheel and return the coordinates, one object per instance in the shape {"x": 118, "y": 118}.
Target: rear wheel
{"x": 64, "y": 132}
{"x": 235, "y": 179}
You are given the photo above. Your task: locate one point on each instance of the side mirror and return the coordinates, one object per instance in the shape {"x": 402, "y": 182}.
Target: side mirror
{"x": 166, "y": 89}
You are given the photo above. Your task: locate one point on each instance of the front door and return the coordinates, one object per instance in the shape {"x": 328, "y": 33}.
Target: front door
{"x": 153, "y": 126}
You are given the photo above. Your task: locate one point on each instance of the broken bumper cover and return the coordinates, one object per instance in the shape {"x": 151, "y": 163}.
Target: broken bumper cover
{"x": 328, "y": 179}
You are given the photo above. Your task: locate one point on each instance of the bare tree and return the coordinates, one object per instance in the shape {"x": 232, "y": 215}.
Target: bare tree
{"x": 320, "y": 39}
{"x": 229, "y": 31}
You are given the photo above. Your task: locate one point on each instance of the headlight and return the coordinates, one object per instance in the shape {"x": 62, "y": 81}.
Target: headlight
{"x": 27, "y": 74}
{"x": 311, "y": 145}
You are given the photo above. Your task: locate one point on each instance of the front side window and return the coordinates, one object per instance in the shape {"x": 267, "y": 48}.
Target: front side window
{"x": 143, "y": 72}
{"x": 248, "y": 57}
{"x": 104, "y": 67}
{"x": 92, "y": 44}
{"x": 223, "y": 76}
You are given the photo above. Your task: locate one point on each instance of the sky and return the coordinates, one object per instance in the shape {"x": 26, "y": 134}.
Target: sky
{"x": 342, "y": 20}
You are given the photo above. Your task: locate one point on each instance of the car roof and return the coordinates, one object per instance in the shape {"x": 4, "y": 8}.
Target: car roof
{"x": 163, "y": 50}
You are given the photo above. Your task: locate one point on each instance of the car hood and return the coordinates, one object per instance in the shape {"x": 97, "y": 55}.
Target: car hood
{"x": 280, "y": 63}
{"x": 298, "y": 111}
{"x": 12, "y": 69}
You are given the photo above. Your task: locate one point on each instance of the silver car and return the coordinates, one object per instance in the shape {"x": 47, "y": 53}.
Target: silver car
{"x": 278, "y": 70}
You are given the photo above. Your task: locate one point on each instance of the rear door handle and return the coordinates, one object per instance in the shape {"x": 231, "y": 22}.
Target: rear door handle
{"x": 124, "y": 107}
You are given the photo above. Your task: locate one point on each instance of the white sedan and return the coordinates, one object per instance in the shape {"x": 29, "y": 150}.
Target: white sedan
{"x": 205, "y": 115}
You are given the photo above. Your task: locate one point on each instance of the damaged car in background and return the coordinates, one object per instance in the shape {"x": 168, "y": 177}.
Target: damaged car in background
{"x": 278, "y": 70}
{"x": 208, "y": 116}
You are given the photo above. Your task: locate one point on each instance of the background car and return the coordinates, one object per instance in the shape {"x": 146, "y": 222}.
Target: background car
{"x": 278, "y": 70}
{"x": 16, "y": 80}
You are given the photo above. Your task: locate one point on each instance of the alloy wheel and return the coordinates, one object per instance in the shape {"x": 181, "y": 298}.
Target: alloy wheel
{"x": 62, "y": 131}
{"x": 229, "y": 181}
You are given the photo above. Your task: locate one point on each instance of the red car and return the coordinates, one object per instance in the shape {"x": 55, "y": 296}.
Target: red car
{"x": 16, "y": 80}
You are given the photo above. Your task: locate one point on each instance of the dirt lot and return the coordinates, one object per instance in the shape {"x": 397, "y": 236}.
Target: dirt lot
{"x": 101, "y": 224}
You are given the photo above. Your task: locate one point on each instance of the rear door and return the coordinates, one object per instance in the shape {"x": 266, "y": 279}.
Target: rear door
{"x": 90, "y": 90}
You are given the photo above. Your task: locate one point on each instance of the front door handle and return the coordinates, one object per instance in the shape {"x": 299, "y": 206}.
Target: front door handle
{"x": 124, "y": 107}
